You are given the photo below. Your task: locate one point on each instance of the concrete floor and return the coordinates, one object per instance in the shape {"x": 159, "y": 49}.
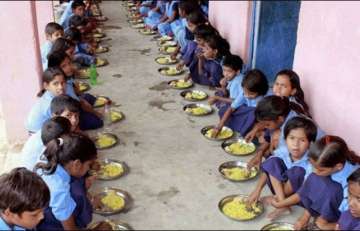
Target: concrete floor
{"x": 173, "y": 177}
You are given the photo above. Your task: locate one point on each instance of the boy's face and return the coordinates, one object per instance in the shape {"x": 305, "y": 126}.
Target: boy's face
{"x": 57, "y": 34}
{"x": 229, "y": 73}
{"x": 57, "y": 86}
{"x": 67, "y": 67}
{"x": 80, "y": 10}
{"x": 297, "y": 143}
{"x": 249, "y": 94}
{"x": 27, "y": 219}
{"x": 282, "y": 86}
{"x": 354, "y": 198}
{"x": 73, "y": 117}
{"x": 272, "y": 124}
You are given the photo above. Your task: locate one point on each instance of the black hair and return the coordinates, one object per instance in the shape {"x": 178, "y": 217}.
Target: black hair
{"x": 73, "y": 35}
{"x": 52, "y": 27}
{"x": 219, "y": 43}
{"x": 22, "y": 190}
{"x": 48, "y": 76}
{"x": 64, "y": 102}
{"x": 255, "y": 81}
{"x": 295, "y": 83}
{"x": 196, "y": 18}
{"x": 355, "y": 176}
{"x": 56, "y": 58}
{"x": 233, "y": 61}
{"x": 68, "y": 147}
{"x": 331, "y": 150}
{"x": 301, "y": 122}
{"x": 76, "y": 21}
{"x": 76, "y": 4}
{"x": 61, "y": 45}
{"x": 271, "y": 107}
{"x": 188, "y": 6}
{"x": 205, "y": 30}
{"x": 54, "y": 127}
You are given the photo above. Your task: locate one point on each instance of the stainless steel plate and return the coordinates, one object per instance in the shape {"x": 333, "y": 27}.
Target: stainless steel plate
{"x": 177, "y": 87}
{"x": 115, "y": 225}
{"x": 207, "y": 108}
{"x": 226, "y": 144}
{"x": 278, "y": 226}
{"x": 100, "y": 193}
{"x": 183, "y": 94}
{"x": 106, "y": 147}
{"x": 169, "y": 60}
{"x": 205, "y": 129}
{"x": 105, "y": 162}
{"x": 164, "y": 71}
{"x": 237, "y": 164}
{"x": 102, "y": 103}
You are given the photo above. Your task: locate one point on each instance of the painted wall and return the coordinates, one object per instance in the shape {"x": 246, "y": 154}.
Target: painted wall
{"x": 328, "y": 61}
{"x": 232, "y": 20}
{"x": 20, "y": 65}
{"x": 44, "y": 15}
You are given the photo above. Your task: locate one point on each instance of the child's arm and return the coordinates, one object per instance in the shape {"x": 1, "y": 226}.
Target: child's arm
{"x": 302, "y": 221}
{"x": 200, "y": 57}
{"x": 254, "y": 195}
{"x": 172, "y": 18}
{"x": 261, "y": 151}
{"x": 215, "y": 98}
{"x": 70, "y": 224}
{"x": 223, "y": 120}
{"x": 287, "y": 202}
{"x": 88, "y": 108}
{"x": 324, "y": 224}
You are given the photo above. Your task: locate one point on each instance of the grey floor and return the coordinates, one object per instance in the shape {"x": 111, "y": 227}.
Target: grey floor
{"x": 173, "y": 169}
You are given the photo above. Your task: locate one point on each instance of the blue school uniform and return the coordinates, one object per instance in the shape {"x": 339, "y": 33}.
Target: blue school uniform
{"x": 153, "y": 18}
{"x": 321, "y": 196}
{"x": 83, "y": 58}
{"x": 283, "y": 168}
{"x": 341, "y": 178}
{"x": 64, "y": 20}
{"x": 61, "y": 205}
{"x": 45, "y": 50}
{"x": 180, "y": 33}
{"x": 189, "y": 53}
{"x": 84, "y": 210}
{"x": 168, "y": 28}
{"x": 144, "y": 8}
{"x": 348, "y": 222}
{"x": 39, "y": 113}
{"x": 32, "y": 150}
{"x": 70, "y": 90}
{"x": 5, "y": 226}
{"x": 211, "y": 73}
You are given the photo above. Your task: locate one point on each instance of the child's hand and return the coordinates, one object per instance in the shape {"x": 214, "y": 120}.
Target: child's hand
{"x": 179, "y": 66}
{"x": 173, "y": 56}
{"x": 212, "y": 100}
{"x": 253, "y": 198}
{"x": 255, "y": 161}
{"x": 223, "y": 82}
{"x": 187, "y": 78}
{"x": 275, "y": 203}
{"x": 215, "y": 132}
{"x": 89, "y": 181}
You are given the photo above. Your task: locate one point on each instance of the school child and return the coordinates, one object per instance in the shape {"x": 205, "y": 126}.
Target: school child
{"x": 204, "y": 6}
{"x": 187, "y": 47}
{"x": 23, "y": 195}
{"x": 272, "y": 113}
{"x": 170, "y": 19}
{"x": 239, "y": 114}
{"x": 89, "y": 118}
{"x": 287, "y": 84}
{"x": 284, "y": 172}
{"x": 350, "y": 219}
{"x": 63, "y": 45}
{"x": 154, "y": 15}
{"x": 323, "y": 193}
{"x": 77, "y": 8}
{"x": 69, "y": 156}
{"x": 146, "y": 6}
{"x": 208, "y": 70}
{"x": 53, "y": 31}
{"x": 54, "y": 84}
{"x": 35, "y": 145}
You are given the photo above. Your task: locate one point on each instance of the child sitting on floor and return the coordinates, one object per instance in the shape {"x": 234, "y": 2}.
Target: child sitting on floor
{"x": 68, "y": 159}
{"x": 23, "y": 195}
{"x": 53, "y": 31}
{"x": 284, "y": 172}
{"x": 54, "y": 84}
{"x": 350, "y": 219}
{"x": 239, "y": 114}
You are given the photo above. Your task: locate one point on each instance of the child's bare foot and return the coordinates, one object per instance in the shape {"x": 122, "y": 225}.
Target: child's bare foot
{"x": 301, "y": 224}
{"x": 266, "y": 200}
{"x": 278, "y": 212}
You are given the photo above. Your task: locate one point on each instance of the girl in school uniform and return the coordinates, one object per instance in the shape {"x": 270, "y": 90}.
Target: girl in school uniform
{"x": 68, "y": 160}
{"x": 154, "y": 15}
{"x": 170, "y": 20}
{"x": 54, "y": 84}
{"x": 350, "y": 219}
{"x": 321, "y": 195}
{"x": 239, "y": 115}
{"x": 284, "y": 172}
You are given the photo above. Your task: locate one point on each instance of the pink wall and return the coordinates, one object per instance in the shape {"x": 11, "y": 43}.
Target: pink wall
{"x": 328, "y": 61}
{"x": 232, "y": 20}
{"x": 20, "y": 65}
{"x": 44, "y": 15}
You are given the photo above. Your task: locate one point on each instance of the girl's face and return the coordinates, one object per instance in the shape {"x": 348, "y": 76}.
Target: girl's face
{"x": 67, "y": 67}
{"x": 57, "y": 34}
{"x": 354, "y": 199}
{"x": 191, "y": 26}
{"x": 209, "y": 53}
{"x": 325, "y": 171}
{"x": 57, "y": 86}
{"x": 297, "y": 143}
{"x": 282, "y": 86}
{"x": 229, "y": 73}
{"x": 200, "y": 42}
{"x": 70, "y": 52}
{"x": 73, "y": 117}
{"x": 249, "y": 94}
{"x": 273, "y": 124}
{"x": 27, "y": 219}
{"x": 79, "y": 169}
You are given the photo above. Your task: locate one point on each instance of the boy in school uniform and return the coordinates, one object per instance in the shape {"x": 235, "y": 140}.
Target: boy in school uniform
{"x": 53, "y": 31}
{"x": 23, "y": 195}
